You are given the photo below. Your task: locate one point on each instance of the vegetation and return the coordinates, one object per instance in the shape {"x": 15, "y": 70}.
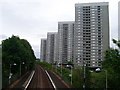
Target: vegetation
{"x": 112, "y": 65}
{"x": 109, "y": 72}
{"x": 77, "y": 74}
{"x": 45, "y": 65}
{"x": 16, "y": 51}
{"x": 98, "y": 80}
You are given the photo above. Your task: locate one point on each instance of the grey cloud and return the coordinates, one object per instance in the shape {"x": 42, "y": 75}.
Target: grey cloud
{"x": 2, "y": 37}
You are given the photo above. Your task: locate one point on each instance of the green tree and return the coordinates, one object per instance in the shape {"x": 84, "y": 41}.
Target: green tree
{"x": 112, "y": 65}
{"x": 19, "y": 51}
{"x": 29, "y": 56}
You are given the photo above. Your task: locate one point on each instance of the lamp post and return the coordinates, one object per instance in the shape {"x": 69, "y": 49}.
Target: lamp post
{"x": 10, "y": 75}
{"x": 84, "y": 70}
{"x": 56, "y": 66}
{"x": 106, "y": 79}
{"x": 61, "y": 68}
{"x": 20, "y": 67}
{"x": 70, "y": 66}
{"x": 71, "y": 75}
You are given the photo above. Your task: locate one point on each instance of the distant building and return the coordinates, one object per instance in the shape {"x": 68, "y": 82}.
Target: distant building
{"x": 43, "y": 50}
{"x": 91, "y": 36}
{"x": 65, "y": 41}
{"x": 50, "y": 47}
{"x": 56, "y": 48}
{"x": 119, "y": 20}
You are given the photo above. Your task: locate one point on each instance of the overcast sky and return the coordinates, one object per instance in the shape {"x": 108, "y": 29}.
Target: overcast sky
{"x": 32, "y": 19}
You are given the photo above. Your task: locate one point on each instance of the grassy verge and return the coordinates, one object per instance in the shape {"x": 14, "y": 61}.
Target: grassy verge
{"x": 93, "y": 79}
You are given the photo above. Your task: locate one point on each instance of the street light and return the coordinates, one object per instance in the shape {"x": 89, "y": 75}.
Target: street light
{"x": 20, "y": 67}
{"x": 61, "y": 68}
{"x": 56, "y": 66}
{"x": 71, "y": 75}
{"x": 84, "y": 67}
{"x": 70, "y": 72}
{"x": 106, "y": 85}
{"x": 10, "y": 75}
{"x": 106, "y": 79}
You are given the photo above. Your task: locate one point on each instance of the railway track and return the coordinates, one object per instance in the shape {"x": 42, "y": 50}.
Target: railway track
{"x": 40, "y": 80}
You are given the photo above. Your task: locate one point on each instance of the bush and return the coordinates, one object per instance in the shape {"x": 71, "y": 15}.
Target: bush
{"x": 97, "y": 80}
{"x": 46, "y": 65}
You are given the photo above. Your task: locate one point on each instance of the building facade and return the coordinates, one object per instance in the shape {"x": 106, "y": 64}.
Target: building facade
{"x": 65, "y": 41}
{"x": 56, "y": 48}
{"x": 119, "y": 20}
{"x": 43, "y": 50}
{"x": 50, "y": 47}
{"x": 91, "y": 36}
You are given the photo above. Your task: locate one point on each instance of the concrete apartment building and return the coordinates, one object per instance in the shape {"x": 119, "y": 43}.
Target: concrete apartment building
{"x": 50, "y": 47}
{"x": 43, "y": 50}
{"x": 91, "y": 36}
{"x": 119, "y": 20}
{"x": 55, "y": 47}
{"x": 65, "y": 41}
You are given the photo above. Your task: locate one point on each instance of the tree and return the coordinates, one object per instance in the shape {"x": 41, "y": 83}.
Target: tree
{"x": 16, "y": 50}
{"x": 29, "y": 56}
{"x": 117, "y": 43}
{"x": 112, "y": 65}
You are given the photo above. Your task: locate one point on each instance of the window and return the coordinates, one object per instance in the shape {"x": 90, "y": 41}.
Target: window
{"x": 93, "y": 39}
{"x": 99, "y": 22}
{"x": 93, "y": 56}
{"x": 93, "y": 61}
{"x": 98, "y": 19}
{"x": 99, "y": 39}
{"x": 98, "y": 16}
{"x": 92, "y": 17}
{"x": 78, "y": 44}
{"x": 92, "y": 25}
{"x": 93, "y": 36}
{"x": 93, "y": 50}
{"x": 99, "y": 27}
{"x": 93, "y": 44}
{"x": 93, "y": 33}
{"x": 99, "y": 30}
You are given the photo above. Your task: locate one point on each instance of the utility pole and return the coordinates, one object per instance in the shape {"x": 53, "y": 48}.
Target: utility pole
{"x": 20, "y": 68}
{"x": 61, "y": 68}
{"x": 10, "y": 74}
{"x": 71, "y": 75}
{"x": 84, "y": 77}
{"x": 106, "y": 79}
{"x": 56, "y": 65}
